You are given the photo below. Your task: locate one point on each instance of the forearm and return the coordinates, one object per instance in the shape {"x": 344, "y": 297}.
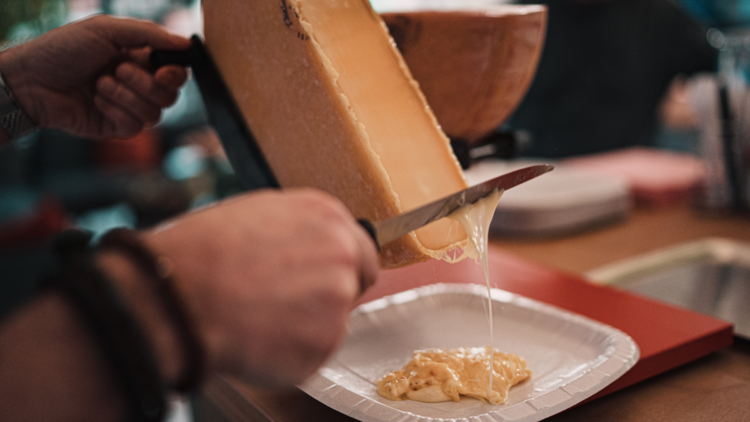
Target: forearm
{"x": 53, "y": 368}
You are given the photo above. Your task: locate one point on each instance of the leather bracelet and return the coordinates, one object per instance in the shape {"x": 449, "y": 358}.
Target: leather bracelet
{"x": 128, "y": 242}
{"x": 115, "y": 328}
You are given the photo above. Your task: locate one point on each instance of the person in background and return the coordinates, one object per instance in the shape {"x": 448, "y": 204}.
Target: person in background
{"x": 605, "y": 67}
{"x": 256, "y": 288}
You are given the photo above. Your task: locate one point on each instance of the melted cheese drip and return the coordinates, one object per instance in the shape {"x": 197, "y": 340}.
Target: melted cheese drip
{"x": 476, "y": 219}
{"x": 437, "y": 375}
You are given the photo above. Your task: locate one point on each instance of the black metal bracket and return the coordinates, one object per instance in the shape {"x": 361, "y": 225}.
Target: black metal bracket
{"x": 243, "y": 151}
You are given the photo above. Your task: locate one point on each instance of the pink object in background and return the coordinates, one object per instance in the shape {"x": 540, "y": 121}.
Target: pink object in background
{"x": 656, "y": 177}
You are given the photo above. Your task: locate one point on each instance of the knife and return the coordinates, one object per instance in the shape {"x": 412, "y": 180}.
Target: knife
{"x": 250, "y": 165}
{"x": 390, "y": 229}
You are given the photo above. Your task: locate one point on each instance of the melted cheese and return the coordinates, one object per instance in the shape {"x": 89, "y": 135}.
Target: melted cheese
{"x": 437, "y": 375}
{"x": 333, "y": 106}
{"x": 476, "y": 219}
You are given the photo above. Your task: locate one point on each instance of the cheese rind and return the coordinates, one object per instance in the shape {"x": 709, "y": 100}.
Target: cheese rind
{"x": 334, "y": 107}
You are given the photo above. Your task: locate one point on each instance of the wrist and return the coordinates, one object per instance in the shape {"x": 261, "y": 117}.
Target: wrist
{"x": 199, "y": 298}
{"x": 133, "y": 285}
{"x": 181, "y": 352}
{"x": 18, "y": 83}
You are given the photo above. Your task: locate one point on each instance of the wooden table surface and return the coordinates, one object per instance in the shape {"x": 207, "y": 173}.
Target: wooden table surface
{"x": 716, "y": 387}
{"x": 646, "y": 229}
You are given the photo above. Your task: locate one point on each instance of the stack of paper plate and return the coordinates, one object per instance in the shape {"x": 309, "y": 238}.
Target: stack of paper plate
{"x": 563, "y": 201}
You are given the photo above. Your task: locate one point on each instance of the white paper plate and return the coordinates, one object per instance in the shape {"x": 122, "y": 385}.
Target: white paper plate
{"x": 572, "y": 357}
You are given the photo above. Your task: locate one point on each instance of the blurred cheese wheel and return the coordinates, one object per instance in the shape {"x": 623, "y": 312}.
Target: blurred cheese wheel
{"x": 474, "y": 67}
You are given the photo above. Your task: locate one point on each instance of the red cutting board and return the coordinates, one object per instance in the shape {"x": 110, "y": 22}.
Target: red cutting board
{"x": 667, "y": 336}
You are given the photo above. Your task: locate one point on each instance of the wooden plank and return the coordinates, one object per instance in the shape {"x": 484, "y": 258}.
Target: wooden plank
{"x": 644, "y": 231}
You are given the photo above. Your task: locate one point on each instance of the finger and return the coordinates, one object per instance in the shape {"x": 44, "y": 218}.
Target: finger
{"x": 368, "y": 258}
{"x": 136, "y": 33}
{"x": 171, "y": 77}
{"x": 145, "y": 84}
{"x": 141, "y": 56}
{"x": 117, "y": 93}
{"x": 119, "y": 123}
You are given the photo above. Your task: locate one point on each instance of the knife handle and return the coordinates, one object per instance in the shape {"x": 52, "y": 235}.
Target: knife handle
{"x": 367, "y": 225}
{"x": 159, "y": 58}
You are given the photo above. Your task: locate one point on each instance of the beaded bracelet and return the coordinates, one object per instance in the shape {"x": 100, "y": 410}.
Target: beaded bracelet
{"x": 115, "y": 328}
{"x": 128, "y": 242}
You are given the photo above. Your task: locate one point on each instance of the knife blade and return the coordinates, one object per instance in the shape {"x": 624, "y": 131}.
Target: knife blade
{"x": 390, "y": 229}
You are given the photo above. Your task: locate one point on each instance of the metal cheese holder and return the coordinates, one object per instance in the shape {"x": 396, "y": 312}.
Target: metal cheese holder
{"x": 242, "y": 150}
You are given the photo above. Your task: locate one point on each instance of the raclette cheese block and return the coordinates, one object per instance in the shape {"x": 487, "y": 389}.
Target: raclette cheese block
{"x": 333, "y": 106}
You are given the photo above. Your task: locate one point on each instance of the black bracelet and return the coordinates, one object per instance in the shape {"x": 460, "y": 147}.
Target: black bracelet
{"x": 127, "y": 241}
{"x": 113, "y": 325}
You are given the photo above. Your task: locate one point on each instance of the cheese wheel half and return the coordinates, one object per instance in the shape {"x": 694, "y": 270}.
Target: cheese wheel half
{"x": 333, "y": 106}
{"x": 473, "y": 66}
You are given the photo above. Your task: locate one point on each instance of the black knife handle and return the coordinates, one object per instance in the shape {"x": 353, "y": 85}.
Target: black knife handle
{"x": 159, "y": 58}
{"x": 367, "y": 225}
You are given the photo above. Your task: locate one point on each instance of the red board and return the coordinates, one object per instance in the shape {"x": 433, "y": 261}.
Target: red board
{"x": 667, "y": 336}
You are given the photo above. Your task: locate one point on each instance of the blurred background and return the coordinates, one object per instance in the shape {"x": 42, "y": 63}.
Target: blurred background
{"x": 613, "y": 74}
